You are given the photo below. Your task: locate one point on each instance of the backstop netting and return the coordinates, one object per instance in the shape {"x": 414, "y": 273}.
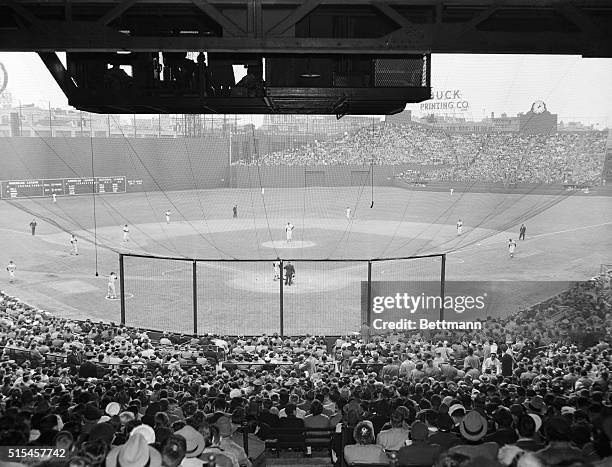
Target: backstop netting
{"x": 325, "y": 297}
{"x": 157, "y": 294}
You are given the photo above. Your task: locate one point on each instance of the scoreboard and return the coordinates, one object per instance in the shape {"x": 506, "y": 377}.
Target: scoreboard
{"x": 61, "y": 187}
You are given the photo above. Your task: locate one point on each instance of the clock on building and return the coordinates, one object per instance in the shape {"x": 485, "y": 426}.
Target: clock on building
{"x": 538, "y": 107}
{"x": 538, "y": 120}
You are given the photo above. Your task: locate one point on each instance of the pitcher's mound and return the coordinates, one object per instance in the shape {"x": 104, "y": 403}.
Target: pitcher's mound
{"x": 285, "y": 244}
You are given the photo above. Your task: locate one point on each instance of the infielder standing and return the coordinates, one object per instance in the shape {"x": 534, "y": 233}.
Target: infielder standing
{"x": 126, "y": 233}
{"x": 73, "y": 242}
{"x": 348, "y": 213}
{"x": 511, "y": 247}
{"x": 459, "y": 227}
{"x": 168, "y": 216}
{"x": 289, "y": 231}
{"x": 111, "y": 294}
{"x": 11, "y": 270}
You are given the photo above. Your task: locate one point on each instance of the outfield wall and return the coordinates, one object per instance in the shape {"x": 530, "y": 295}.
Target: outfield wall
{"x": 252, "y": 176}
{"x": 149, "y": 164}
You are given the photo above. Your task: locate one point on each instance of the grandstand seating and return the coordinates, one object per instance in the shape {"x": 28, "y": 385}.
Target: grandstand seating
{"x": 98, "y": 384}
{"x": 457, "y": 157}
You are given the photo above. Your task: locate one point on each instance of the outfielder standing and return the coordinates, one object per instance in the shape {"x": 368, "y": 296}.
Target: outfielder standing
{"x": 126, "y": 233}
{"x": 11, "y": 270}
{"x": 168, "y": 216}
{"x": 73, "y": 242}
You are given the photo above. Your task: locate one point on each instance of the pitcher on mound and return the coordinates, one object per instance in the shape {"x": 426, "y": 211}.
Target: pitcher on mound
{"x": 289, "y": 230}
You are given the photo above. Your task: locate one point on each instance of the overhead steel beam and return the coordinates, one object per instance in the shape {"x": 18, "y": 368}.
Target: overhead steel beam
{"x": 436, "y": 38}
{"x": 437, "y": 34}
{"x": 293, "y": 17}
{"x": 228, "y": 26}
{"x": 457, "y": 3}
{"x": 59, "y": 73}
{"x": 25, "y": 14}
{"x": 117, "y": 11}
{"x": 408, "y": 27}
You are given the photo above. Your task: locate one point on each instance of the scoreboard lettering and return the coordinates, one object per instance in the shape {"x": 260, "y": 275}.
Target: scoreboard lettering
{"x": 61, "y": 187}
{"x": 53, "y": 186}
{"x": 22, "y": 188}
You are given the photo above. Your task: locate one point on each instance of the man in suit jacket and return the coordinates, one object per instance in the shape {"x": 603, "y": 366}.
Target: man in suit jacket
{"x": 290, "y": 422}
{"x": 420, "y": 451}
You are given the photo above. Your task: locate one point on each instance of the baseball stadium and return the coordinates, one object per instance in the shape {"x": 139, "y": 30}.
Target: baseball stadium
{"x": 245, "y": 233}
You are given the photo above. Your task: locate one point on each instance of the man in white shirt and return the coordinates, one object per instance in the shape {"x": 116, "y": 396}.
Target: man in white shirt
{"x": 492, "y": 363}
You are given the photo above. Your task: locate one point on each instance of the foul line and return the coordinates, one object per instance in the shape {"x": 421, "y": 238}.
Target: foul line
{"x": 572, "y": 230}
{"x": 533, "y": 237}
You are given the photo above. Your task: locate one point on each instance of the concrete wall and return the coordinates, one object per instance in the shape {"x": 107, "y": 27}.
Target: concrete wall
{"x": 150, "y": 164}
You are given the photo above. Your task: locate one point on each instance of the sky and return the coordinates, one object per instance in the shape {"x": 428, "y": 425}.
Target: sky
{"x": 574, "y": 88}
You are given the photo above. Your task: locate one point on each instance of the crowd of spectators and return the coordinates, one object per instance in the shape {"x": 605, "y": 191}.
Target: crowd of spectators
{"x": 458, "y": 157}
{"x": 527, "y": 390}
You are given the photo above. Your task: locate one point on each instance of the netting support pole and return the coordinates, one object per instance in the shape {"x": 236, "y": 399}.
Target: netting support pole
{"x": 194, "y": 286}
{"x": 122, "y": 287}
{"x": 442, "y": 280}
{"x": 369, "y": 308}
{"x": 281, "y": 309}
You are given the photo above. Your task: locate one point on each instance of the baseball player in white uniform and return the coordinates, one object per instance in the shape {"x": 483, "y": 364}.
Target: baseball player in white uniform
{"x": 126, "y": 233}
{"x": 11, "y": 270}
{"x": 111, "y": 292}
{"x": 289, "y": 230}
{"x": 511, "y": 247}
{"x": 73, "y": 242}
{"x": 168, "y": 216}
{"x": 459, "y": 227}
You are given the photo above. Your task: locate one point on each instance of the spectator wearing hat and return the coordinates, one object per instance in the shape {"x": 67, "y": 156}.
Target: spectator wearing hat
{"x": 134, "y": 453}
{"x": 457, "y": 412}
{"x": 444, "y": 437}
{"x": 226, "y": 430}
{"x": 420, "y": 451}
{"x": 536, "y": 405}
{"x": 364, "y": 451}
{"x": 526, "y": 429}
{"x": 504, "y": 432}
{"x": 473, "y": 429}
{"x": 559, "y": 449}
{"x": 395, "y": 437}
{"x": 194, "y": 445}
{"x": 212, "y": 448}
